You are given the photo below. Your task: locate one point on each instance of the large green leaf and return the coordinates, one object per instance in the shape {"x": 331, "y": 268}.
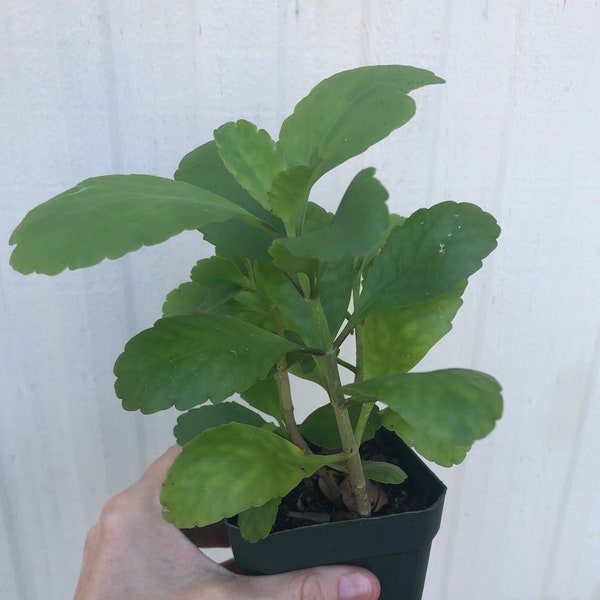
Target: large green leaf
{"x": 396, "y": 340}
{"x": 442, "y": 453}
{"x": 229, "y": 469}
{"x": 185, "y": 360}
{"x": 356, "y": 229}
{"x": 320, "y": 427}
{"x": 195, "y": 421}
{"x": 429, "y": 255}
{"x": 107, "y": 217}
{"x": 251, "y": 156}
{"x": 455, "y": 406}
{"x": 349, "y": 112}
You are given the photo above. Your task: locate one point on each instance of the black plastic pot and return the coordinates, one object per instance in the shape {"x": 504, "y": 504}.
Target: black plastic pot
{"x": 394, "y": 547}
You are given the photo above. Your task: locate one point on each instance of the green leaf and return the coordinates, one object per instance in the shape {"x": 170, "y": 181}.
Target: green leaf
{"x": 356, "y": 228}
{"x": 107, "y": 217}
{"x": 245, "y": 306}
{"x": 289, "y": 194}
{"x": 306, "y": 369}
{"x": 320, "y": 427}
{"x": 264, "y": 396}
{"x": 226, "y": 299}
{"x": 455, "y": 406}
{"x": 195, "y": 421}
{"x": 396, "y": 340}
{"x": 349, "y": 112}
{"x": 215, "y": 271}
{"x": 216, "y": 298}
{"x": 394, "y": 221}
{"x": 286, "y": 299}
{"x": 442, "y": 453}
{"x": 383, "y": 472}
{"x": 185, "y": 360}
{"x": 251, "y": 156}
{"x": 375, "y": 470}
{"x": 204, "y": 168}
{"x": 221, "y": 280}
{"x": 428, "y": 256}
{"x": 184, "y": 300}
{"x": 335, "y": 281}
{"x": 287, "y": 261}
{"x": 240, "y": 238}
{"x": 316, "y": 218}
{"x": 215, "y": 281}
{"x": 256, "y": 523}
{"x": 229, "y": 469}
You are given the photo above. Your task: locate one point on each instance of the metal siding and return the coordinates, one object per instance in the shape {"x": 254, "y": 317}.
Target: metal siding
{"x": 109, "y": 86}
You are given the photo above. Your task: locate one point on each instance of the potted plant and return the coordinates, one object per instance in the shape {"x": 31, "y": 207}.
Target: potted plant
{"x": 290, "y": 287}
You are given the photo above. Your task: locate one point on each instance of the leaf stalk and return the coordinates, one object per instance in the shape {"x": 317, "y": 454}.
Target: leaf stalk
{"x": 285, "y": 394}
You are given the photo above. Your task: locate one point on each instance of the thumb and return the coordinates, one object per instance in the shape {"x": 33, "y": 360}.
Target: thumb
{"x": 320, "y": 583}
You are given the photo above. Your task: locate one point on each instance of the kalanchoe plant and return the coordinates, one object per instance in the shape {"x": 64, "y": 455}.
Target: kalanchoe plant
{"x": 289, "y": 284}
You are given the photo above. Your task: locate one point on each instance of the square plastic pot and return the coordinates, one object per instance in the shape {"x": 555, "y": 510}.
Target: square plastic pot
{"x": 394, "y": 547}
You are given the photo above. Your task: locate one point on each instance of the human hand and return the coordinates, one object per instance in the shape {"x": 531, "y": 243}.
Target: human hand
{"x": 132, "y": 553}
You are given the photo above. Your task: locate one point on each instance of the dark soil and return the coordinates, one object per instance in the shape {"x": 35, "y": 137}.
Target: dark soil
{"x": 315, "y": 501}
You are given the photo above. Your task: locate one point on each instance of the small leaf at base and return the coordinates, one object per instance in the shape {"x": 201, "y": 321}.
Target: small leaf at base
{"x": 256, "y": 523}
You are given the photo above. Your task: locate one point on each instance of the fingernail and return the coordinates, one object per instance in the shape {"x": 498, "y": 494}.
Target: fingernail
{"x": 354, "y": 586}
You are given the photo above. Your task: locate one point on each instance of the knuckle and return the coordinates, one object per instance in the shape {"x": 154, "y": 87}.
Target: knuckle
{"x": 311, "y": 588}
{"x": 114, "y": 515}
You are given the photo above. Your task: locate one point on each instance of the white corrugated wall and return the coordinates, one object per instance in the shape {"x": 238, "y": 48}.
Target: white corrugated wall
{"x": 105, "y": 86}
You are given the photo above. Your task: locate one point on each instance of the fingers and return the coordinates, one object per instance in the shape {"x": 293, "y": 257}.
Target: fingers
{"x": 133, "y": 549}
{"x": 321, "y": 583}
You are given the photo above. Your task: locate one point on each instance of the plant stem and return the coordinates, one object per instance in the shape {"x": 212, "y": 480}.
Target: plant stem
{"x": 328, "y": 365}
{"x": 359, "y": 374}
{"x": 287, "y": 406}
{"x": 285, "y": 395}
{"x": 363, "y": 419}
{"x": 349, "y": 444}
{"x": 342, "y": 336}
